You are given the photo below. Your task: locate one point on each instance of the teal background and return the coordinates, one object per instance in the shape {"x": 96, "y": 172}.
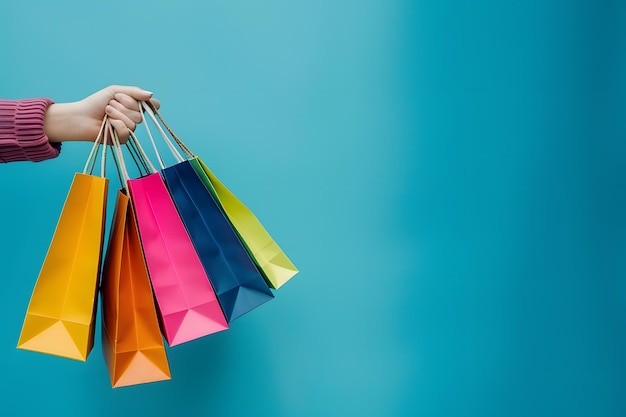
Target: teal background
{"x": 449, "y": 176}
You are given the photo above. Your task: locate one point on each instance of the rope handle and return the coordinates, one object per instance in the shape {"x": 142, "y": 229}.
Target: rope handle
{"x": 91, "y": 159}
{"x": 117, "y": 149}
{"x": 135, "y": 149}
{"x": 174, "y": 151}
{"x": 152, "y": 110}
{"x": 141, "y": 153}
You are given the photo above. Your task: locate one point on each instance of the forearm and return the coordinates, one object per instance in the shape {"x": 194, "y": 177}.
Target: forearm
{"x": 32, "y": 130}
{"x": 22, "y": 136}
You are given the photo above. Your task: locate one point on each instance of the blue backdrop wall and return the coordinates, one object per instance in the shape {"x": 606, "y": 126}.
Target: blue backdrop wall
{"x": 449, "y": 176}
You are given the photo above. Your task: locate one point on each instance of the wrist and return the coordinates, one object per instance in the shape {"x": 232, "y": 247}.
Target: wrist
{"x": 60, "y": 123}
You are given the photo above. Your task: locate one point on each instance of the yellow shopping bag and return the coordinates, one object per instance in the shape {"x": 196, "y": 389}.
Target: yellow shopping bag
{"x": 60, "y": 316}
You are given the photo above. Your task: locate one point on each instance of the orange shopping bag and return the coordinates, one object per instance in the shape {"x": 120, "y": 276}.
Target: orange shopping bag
{"x": 132, "y": 345}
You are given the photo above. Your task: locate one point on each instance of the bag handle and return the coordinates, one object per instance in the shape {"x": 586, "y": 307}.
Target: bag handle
{"x": 91, "y": 159}
{"x": 133, "y": 145}
{"x": 151, "y": 110}
{"x": 171, "y": 146}
{"x": 141, "y": 153}
{"x": 180, "y": 143}
{"x": 140, "y": 162}
{"x": 117, "y": 151}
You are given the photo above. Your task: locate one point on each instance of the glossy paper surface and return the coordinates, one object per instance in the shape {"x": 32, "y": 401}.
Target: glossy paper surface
{"x": 238, "y": 284}
{"x": 61, "y": 313}
{"x": 131, "y": 339}
{"x": 186, "y": 300}
{"x": 275, "y": 265}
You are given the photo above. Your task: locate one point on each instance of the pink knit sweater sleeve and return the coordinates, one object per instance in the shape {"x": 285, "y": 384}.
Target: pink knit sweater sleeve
{"x": 22, "y": 137}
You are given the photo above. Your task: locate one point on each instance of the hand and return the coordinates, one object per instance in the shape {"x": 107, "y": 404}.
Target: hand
{"x": 81, "y": 120}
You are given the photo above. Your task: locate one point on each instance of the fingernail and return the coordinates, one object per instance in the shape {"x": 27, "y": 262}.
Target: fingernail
{"x": 148, "y": 92}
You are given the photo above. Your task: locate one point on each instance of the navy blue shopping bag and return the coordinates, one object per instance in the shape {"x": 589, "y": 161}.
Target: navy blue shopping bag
{"x": 237, "y": 282}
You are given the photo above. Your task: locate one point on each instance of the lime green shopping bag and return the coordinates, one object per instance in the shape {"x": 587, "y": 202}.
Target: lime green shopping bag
{"x": 269, "y": 257}
{"x": 275, "y": 266}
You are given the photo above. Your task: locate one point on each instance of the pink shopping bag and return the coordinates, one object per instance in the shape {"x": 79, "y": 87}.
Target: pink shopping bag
{"x": 188, "y": 306}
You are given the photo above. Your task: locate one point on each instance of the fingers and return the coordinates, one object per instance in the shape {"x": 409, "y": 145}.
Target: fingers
{"x": 124, "y": 109}
{"x": 121, "y": 129}
{"x": 128, "y": 106}
{"x": 155, "y": 103}
{"x": 120, "y": 120}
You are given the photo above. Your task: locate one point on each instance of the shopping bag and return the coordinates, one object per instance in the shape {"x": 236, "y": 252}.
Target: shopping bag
{"x": 60, "y": 316}
{"x": 276, "y": 267}
{"x": 187, "y": 303}
{"x": 131, "y": 339}
{"x": 269, "y": 257}
{"x": 238, "y": 284}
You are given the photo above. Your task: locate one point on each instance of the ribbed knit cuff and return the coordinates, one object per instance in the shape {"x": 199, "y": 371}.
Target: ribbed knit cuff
{"x": 22, "y": 137}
